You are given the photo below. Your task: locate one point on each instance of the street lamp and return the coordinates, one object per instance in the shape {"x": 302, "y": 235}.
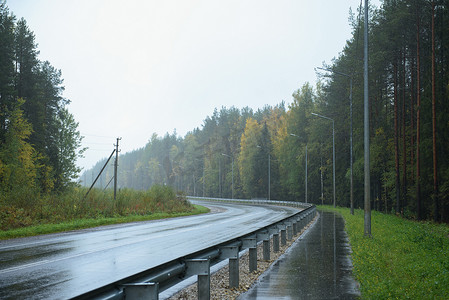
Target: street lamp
{"x": 333, "y": 146}
{"x": 367, "y": 197}
{"x": 269, "y": 171}
{"x": 232, "y": 173}
{"x": 351, "y": 195}
{"x": 306, "y": 164}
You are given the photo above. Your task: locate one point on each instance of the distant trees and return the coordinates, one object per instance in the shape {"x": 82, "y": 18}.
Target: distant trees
{"x": 39, "y": 140}
{"x": 409, "y": 128}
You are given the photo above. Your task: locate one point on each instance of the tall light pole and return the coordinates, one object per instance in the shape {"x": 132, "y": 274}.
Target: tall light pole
{"x": 232, "y": 172}
{"x": 219, "y": 177}
{"x": 351, "y": 194}
{"x": 269, "y": 172}
{"x": 306, "y": 165}
{"x": 333, "y": 147}
{"x": 367, "y": 202}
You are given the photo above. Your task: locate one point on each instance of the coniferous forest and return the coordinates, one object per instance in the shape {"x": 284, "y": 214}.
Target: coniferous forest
{"x": 236, "y": 151}
{"x": 39, "y": 139}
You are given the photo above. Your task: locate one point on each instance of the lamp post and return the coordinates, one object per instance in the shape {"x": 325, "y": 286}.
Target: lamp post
{"x": 351, "y": 194}
{"x": 269, "y": 171}
{"x": 367, "y": 198}
{"x": 306, "y": 166}
{"x": 232, "y": 172}
{"x": 333, "y": 147}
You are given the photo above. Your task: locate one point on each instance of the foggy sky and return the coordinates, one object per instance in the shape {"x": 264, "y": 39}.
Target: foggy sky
{"x": 134, "y": 68}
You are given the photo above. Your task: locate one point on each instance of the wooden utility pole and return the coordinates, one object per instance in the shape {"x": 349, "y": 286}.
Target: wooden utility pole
{"x": 115, "y": 168}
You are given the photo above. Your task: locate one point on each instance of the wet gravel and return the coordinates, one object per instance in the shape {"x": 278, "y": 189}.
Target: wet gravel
{"x": 219, "y": 284}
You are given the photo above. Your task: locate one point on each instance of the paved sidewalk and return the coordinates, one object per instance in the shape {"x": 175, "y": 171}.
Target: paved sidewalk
{"x": 317, "y": 266}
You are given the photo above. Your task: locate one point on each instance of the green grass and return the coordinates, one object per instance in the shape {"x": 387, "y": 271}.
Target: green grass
{"x": 402, "y": 260}
{"x": 89, "y": 223}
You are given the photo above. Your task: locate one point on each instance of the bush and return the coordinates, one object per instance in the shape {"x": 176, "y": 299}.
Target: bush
{"x": 12, "y": 217}
{"x": 73, "y": 205}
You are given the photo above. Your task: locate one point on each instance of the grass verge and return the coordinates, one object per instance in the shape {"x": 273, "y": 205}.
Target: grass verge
{"x": 402, "y": 260}
{"x": 90, "y": 223}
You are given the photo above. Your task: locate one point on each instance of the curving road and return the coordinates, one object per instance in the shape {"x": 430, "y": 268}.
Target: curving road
{"x": 64, "y": 265}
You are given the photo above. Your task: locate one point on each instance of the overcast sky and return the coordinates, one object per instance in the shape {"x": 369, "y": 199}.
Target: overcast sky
{"x": 133, "y": 68}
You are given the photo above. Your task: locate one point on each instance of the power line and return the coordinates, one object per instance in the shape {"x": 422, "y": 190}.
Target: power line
{"x": 98, "y": 136}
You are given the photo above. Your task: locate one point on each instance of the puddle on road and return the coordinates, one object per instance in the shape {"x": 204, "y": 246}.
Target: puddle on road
{"x": 317, "y": 266}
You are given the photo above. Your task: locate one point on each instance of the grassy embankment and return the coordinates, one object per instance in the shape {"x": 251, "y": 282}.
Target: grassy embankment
{"x": 71, "y": 211}
{"x": 402, "y": 260}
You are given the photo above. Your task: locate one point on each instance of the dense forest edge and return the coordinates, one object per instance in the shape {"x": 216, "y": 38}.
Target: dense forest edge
{"x": 229, "y": 156}
{"x": 39, "y": 146}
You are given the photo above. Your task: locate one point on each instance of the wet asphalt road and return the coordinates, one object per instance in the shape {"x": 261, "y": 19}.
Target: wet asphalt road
{"x": 317, "y": 266}
{"x": 60, "y": 266}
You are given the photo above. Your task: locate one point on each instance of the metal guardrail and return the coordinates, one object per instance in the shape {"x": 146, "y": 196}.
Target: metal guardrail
{"x": 148, "y": 284}
{"x": 254, "y": 201}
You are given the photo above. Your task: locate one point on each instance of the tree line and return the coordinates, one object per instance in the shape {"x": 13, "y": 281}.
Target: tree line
{"x": 262, "y": 153}
{"x": 39, "y": 139}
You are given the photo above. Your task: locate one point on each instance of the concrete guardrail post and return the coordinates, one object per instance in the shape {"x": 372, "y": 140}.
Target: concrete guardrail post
{"x": 301, "y": 221}
{"x": 265, "y": 236}
{"x": 295, "y": 230}
{"x": 136, "y": 291}
{"x": 266, "y": 250}
{"x": 251, "y": 243}
{"x": 289, "y": 231}
{"x": 232, "y": 252}
{"x": 276, "y": 242}
{"x": 200, "y": 267}
{"x": 282, "y": 227}
{"x": 275, "y": 232}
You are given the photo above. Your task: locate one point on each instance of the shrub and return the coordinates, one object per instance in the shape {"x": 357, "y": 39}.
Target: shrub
{"x": 73, "y": 205}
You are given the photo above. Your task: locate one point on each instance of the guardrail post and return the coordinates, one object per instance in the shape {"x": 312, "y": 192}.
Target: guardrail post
{"x": 234, "y": 272}
{"x": 266, "y": 249}
{"x": 251, "y": 243}
{"x": 295, "y": 230}
{"x": 283, "y": 234}
{"x": 137, "y": 291}
{"x": 300, "y": 223}
{"x": 200, "y": 267}
{"x": 275, "y": 232}
{"x": 265, "y": 236}
{"x": 289, "y": 231}
{"x": 276, "y": 242}
{"x": 252, "y": 259}
{"x": 232, "y": 252}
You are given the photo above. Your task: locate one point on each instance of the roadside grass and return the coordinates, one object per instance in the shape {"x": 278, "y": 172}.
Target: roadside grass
{"x": 402, "y": 260}
{"x": 40, "y": 214}
{"x": 90, "y": 223}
